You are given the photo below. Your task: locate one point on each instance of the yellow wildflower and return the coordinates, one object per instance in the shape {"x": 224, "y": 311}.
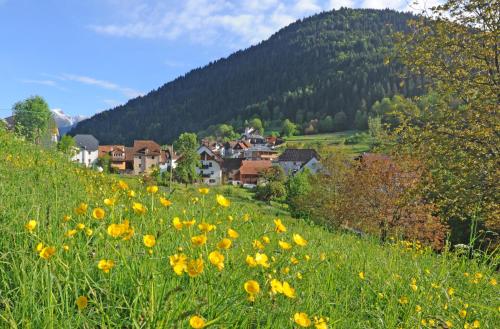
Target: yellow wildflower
{"x": 288, "y": 290}
{"x": 131, "y": 194}
{"x": 196, "y": 322}
{"x": 98, "y": 213}
{"x": 403, "y": 300}
{"x": 203, "y": 190}
{"x": 418, "y": 309}
{"x": 178, "y": 263}
{"x": 206, "y": 227}
{"x": 71, "y": 233}
{"x": 109, "y": 202}
{"x": 320, "y": 323}
{"x": 284, "y": 245}
{"x": 232, "y": 233}
{"x": 250, "y": 261}
{"x": 139, "y": 208}
{"x": 149, "y": 240}
{"x": 266, "y": 239}
{"x": 262, "y": 260}
{"x": 199, "y": 240}
{"x": 123, "y": 185}
{"x": 189, "y": 223}
{"x": 82, "y": 208}
{"x": 276, "y": 286}
{"x": 66, "y": 218}
{"x": 47, "y": 252}
{"x": 493, "y": 281}
{"x": 299, "y": 240}
{"x": 258, "y": 245}
{"x": 80, "y": 226}
{"x": 165, "y": 202}
{"x": 294, "y": 260}
{"x": 224, "y": 244}
{"x": 280, "y": 228}
{"x": 217, "y": 259}
{"x": 105, "y": 265}
{"x": 195, "y": 267}
{"x": 302, "y": 319}
{"x": 81, "y": 302}
{"x": 252, "y": 287}
{"x": 152, "y": 189}
{"x": 361, "y": 275}
{"x": 222, "y": 201}
{"x": 31, "y": 225}
{"x": 176, "y": 222}
{"x": 462, "y": 313}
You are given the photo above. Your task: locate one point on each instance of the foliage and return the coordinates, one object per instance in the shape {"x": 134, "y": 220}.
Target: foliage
{"x": 31, "y": 118}
{"x": 454, "y": 130}
{"x": 66, "y": 145}
{"x": 222, "y": 132}
{"x": 105, "y": 163}
{"x": 272, "y": 186}
{"x": 288, "y": 128}
{"x": 257, "y": 124}
{"x": 71, "y": 289}
{"x": 340, "y": 121}
{"x": 297, "y": 187}
{"x": 186, "y": 146}
{"x": 316, "y": 67}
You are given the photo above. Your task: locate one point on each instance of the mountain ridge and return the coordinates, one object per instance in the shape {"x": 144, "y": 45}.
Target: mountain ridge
{"x": 315, "y": 67}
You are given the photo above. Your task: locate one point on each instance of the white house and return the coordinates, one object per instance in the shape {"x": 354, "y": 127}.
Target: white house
{"x": 87, "y": 148}
{"x": 296, "y": 160}
{"x": 210, "y": 169}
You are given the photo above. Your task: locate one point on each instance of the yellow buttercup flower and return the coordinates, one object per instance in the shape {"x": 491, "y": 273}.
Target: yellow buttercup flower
{"x": 250, "y": 261}
{"x": 139, "y": 208}
{"x": 361, "y": 275}
{"x": 493, "y": 281}
{"x": 65, "y": 247}
{"x": 195, "y": 267}
{"x": 176, "y": 222}
{"x": 266, "y": 239}
{"x": 31, "y": 225}
{"x": 39, "y": 246}
{"x": 258, "y": 245}
{"x": 284, "y": 245}
{"x": 165, "y": 202}
{"x": 115, "y": 230}
{"x": 276, "y": 286}
{"x": 299, "y": 240}
{"x": 80, "y": 226}
{"x": 123, "y": 185}
{"x": 47, "y": 252}
{"x": 98, "y": 213}
{"x": 288, "y": 290}
{"x": 294, "y": 260}
{"x": 82, "y": 208}
{"x": 302, "y": 319}
{"x": 152, "y": 189}
{"x": 66, "y": 218}
{"x": 149, "y": 240}
{"x": 203, "y": 190}
{"x": 280, "y": 228}
{"x": 403, "y": 300}
{"x": 105, "y": 265}
{"x": 178, "y": 263}
{"x": 109, "y": 202}
{"x": 81, "y": 302}
{"x": 418, "y": 309}
{"x": 71, "y": 233}
{"x": 206, "y": 227}
{"x": 222, "y": 201}
{"x": 224, "y": 244}
{"x": 252, "y": 287}
{"x": 462, "y": 313}
{"x": 232, "y": 233}
{"x": 217, "y": 259}
{"x": 246, "y": 217}
{"x": 320, "y": 323}
{"x": 131, "y": 194}
{"x": 189, "y": 223}
{"x": 199, "y": 240}
{"x": 197, "y": 322}
{"x": 451, "y": 291}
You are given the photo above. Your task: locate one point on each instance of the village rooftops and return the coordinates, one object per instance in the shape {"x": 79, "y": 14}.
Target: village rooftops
{"x": 298, "y": 155}
{"x": 254, "y": 167}
{"x": 87, "y": 142}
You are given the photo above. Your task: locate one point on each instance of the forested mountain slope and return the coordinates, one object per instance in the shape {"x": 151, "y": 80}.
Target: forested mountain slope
{"x": 322, "y": 65}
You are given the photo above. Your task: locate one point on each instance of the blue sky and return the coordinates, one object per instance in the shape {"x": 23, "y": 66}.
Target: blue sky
{"x": 87, "y": 56}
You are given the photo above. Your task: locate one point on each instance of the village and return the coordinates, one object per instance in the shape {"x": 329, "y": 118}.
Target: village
{"x": 240, "y": 162}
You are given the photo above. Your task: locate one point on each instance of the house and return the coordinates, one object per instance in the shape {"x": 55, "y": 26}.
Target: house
{"x": 231, "y": 170}
{"x": 87, "y": 148}
{"x": 260, "y": 152}
{"x": 252, "y": 137}
{"x": 171, "y": 159}
{"x": 210, "y": 168}
{"x": 251, "y": 170}
{"x": 234, "y": 149}
{"x": 147, "y": 155}
{"x": 116, "y": 154}
{"x": 295, "y": 160}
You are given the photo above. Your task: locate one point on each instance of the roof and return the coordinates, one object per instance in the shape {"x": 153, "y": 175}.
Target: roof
{"x": 231, "y": 164}
{"x": 152, "y": 146}
{"x": 129, "y": 153}
{"x": 298, "y": 155}
{"x": 87, "y": 142}
{"x": 106, "y": 149}
{"x": 254, "y": 167}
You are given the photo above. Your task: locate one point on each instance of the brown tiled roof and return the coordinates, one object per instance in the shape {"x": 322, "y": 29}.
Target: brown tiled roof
{"x": 149, "y": 144}
{"x": 255, "y": 167}
{"x": 298, "y": 155}
{"x": 106, "y": 149}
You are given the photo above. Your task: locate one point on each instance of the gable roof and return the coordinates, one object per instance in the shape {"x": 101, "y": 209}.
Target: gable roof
{"x": 87, "y": 142}
{"x": 152, "y": 146}
{"x": 298, "y": 155}
{"x": 254, "y": 167}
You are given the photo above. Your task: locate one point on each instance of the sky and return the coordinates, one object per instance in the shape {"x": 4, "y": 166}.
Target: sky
{"x": 88, "y": 56}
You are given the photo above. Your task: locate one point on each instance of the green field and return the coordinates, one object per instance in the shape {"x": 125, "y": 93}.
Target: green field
{"x": 89, "y": 273}
{"x": 333, "y": 142}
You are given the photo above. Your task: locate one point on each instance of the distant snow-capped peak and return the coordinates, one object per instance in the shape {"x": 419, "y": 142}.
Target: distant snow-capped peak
{"x": 64, "y": 120}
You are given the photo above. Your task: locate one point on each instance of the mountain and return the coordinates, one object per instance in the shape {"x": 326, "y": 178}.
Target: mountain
{"x": 65, "y": 122}
{"x": 323, "y": 72}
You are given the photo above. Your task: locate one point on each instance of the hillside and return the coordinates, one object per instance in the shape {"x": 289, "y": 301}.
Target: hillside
{"x": 79, "y": 249}
{"x": 316, "y": 67}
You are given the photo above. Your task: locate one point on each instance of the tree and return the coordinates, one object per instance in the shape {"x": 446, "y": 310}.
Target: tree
{"x": 340, "y": 121}
{"x": 361, "y": 120}
{"x": 256, "y": 123}
{"x": 186, "y": 146}
{"x": 31, "y": 118}
{"x": 225, "y": 132}
{"x": 457, "y": 134}
{"x": 298, "y": 186}
{"x": 326, "y": 125}
{"x": 66, "y": 145}
{"x": 376, "y": 130}
{"x": 288, "y": 128}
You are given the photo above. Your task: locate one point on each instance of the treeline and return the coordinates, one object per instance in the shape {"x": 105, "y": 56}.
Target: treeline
{"x": 323, "y": 73}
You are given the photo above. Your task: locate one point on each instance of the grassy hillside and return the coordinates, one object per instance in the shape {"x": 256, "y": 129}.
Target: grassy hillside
{"x": 347, "y": 281}
{"x": 334, "y": 142}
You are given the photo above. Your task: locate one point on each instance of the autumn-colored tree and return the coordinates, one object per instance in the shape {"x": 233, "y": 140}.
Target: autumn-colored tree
{"x": 455, "y": 133}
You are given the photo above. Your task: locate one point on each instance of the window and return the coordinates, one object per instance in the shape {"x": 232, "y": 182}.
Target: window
{"x": 210, "y": 164}
{"x": 211, "y": 180}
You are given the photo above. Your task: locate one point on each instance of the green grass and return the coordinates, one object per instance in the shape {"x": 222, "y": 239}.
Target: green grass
{"x": 142, "y": 290}
{"x": 332, "y": 142}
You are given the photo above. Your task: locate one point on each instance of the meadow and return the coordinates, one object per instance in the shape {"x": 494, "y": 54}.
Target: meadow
{"x": 334, "y": 142}
{"x": 80, "y": 249}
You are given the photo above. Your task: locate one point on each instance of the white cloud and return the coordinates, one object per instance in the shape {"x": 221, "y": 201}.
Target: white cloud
{"x": 40, "y": 82}
{"x": 125, "y": 91}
